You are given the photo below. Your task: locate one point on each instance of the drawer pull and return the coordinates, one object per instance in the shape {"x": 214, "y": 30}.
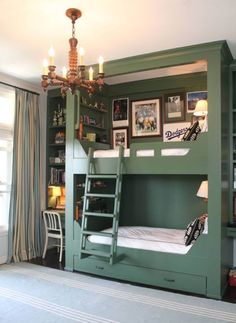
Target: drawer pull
{"x": 169, "y": 280}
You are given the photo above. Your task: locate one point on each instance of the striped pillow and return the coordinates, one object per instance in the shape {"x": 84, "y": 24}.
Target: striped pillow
{"x": 193, "y": 231}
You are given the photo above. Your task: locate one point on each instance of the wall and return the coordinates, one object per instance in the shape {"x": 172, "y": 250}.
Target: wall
{"x": 157, "y": 88}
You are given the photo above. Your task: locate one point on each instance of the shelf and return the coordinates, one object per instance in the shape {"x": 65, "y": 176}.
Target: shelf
{"x": 93, "y": 108}
{"x": 57, "y": 145}
{"x": 93, "y": 126}
{"x": 231, "y": 231}
{"x": 57, "y": 165}
{"x": 58, "y": 127}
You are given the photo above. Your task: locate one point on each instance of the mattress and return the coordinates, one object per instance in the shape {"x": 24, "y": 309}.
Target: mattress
{"x": 147, "y": 238}
{"x": 109, "y": 153}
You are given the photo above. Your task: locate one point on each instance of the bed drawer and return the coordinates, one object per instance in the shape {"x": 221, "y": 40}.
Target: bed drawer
{"x": 181, "y": 281}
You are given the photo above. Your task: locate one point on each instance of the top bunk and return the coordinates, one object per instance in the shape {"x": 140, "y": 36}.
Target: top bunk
{"x": 185, "y": 157}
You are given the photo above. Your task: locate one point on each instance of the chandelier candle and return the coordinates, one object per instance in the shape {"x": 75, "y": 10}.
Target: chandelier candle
{"x": 73, "y": 78}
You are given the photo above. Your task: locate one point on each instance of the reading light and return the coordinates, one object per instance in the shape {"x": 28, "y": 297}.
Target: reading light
{"x": 201, "y": 108}
{"x": 203, "y": 190}
{"x": 203, "y": 193}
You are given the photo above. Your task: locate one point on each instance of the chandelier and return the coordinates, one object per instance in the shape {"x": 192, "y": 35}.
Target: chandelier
{"x": 75, "y": 77}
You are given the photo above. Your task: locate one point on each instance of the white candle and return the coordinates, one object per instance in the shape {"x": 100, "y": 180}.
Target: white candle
{"x": 90, "y": 74}
{"x": 81, "y": 56}
{"x": 51, "y": 54}
{"x": 64, "y": 72}
{"x": 45, "y": 67}
{"x": 100, "y": 61}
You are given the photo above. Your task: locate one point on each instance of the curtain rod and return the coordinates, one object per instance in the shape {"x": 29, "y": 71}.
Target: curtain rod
{"x": 19, "y": 88}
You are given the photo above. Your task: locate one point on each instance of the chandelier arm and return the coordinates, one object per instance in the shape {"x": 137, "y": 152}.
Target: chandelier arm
{"x": 75, "y": 78}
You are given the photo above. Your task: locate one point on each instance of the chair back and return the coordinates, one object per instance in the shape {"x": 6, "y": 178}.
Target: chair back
{"x": 52, "y": 221}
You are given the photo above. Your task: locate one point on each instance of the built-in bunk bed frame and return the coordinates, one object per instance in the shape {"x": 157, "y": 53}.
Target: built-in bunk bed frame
{"x": 204, "y": 268}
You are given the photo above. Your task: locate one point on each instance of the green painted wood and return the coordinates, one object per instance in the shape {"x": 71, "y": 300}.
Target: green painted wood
{"x": 98, "y": 214}
{"x": 231, "y": 232}
{"x": 116, "y": 196}
{"x": 210, "y": 258}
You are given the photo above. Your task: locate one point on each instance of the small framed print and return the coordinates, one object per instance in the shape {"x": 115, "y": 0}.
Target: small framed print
{"x": 193, "y": 97}
{"x": 120, "y": 138}
{"x": 175, "y": 131}
{"x": 120, "y": 112}
{"x": 146, "y": 118}
{"x": 174, "y": 107}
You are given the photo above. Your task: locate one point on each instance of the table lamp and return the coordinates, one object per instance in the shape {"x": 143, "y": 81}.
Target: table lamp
{"x": 203, "y": 193}
{"x": 201, "y": 110}
{"x": 54, "y": 193}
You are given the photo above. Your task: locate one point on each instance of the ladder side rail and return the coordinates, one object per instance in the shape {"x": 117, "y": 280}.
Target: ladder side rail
{"x": 115, "y": 223}
{"x": 86, "y": 200}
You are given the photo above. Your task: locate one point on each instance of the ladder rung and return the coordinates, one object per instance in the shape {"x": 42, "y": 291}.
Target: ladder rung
{"x": 98, "y": 233}
{"x": 100, "y": 195}
{"x": 102, "y": 176}
{"x": 96, "y": 253}
{"x": 99, "y": 214}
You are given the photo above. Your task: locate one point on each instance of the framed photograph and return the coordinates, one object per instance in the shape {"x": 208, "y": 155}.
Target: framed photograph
{"x": 120, "y": 112}
{"x": 120, "y": 138}
{"x": 146, "y": 118}
{"x": 193, "y": 97}
{"x": 174, "y": 107}
{"x": 175, "y": 131}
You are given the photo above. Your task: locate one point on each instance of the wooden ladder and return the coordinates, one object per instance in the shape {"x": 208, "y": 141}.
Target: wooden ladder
{"x": 116, "y": 196}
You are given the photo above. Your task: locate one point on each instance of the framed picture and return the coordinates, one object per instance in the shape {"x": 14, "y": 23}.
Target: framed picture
{"x": 120, "y": 112}
{"x": 120, "y": 138}
{"x": 146, "y": 118}
{"x": 174, "y": 107}
{"x": 193, "y": 97}
{"x": 174, "y": 131}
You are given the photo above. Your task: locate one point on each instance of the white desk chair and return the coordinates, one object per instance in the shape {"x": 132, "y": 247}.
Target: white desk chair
{"x": 53, "y": 229}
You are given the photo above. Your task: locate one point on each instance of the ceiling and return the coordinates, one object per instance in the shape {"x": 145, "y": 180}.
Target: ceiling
{"x": 115, "y": 29}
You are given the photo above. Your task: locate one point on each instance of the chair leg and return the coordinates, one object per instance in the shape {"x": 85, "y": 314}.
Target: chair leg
{"x": 45, "y": 246}
{"x": 61, "y": 249}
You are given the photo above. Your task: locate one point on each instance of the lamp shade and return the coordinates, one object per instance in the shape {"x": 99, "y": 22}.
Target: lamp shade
{"x": 203, "y": 190}
{"x": 201, "y": 108}
{"x": 54, "y": 191}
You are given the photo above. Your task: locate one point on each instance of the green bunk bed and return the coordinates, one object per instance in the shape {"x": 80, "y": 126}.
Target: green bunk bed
{"x": 160, "y": 191}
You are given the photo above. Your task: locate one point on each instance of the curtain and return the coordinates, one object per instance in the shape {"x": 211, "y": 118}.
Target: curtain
{"x": 24, "y": 214}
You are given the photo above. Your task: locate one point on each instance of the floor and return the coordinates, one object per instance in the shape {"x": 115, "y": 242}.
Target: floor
{"x": 51, "y": 260}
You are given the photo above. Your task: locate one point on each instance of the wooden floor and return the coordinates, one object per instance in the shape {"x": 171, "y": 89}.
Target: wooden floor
{"x": 52, "y": 260}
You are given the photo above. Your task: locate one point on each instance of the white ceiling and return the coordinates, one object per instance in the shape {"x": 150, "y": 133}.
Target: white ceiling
{"x": 115, "y": 29}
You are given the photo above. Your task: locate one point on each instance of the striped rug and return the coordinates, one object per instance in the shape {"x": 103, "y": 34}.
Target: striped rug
{"x": 31, "y": 293}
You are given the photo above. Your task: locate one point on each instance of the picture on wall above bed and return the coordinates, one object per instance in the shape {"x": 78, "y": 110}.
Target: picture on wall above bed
{"x": 120, "y": 138}
{"x": 120, "y": 112}
{"x": 146, "y": 118}
{"x": 193, "y": 98}
{"x": 174, "y": 107}
{"x": 175, "y": 131}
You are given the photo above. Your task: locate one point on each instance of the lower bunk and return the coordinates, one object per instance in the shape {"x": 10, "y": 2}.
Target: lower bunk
{"x": 152, "y": 256}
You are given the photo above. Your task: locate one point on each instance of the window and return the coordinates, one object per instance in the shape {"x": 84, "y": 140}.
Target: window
{"x": 7, "y": 108}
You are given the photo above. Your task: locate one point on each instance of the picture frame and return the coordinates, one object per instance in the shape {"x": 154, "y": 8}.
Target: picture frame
{"x": 175, "y": 131}
{"x": 120, "y": 112}
{"x": 193, "y": 97}
{"x": 119, "y": 137}
{"x": 146, "y": 118}
{"x": 174, "y": 107}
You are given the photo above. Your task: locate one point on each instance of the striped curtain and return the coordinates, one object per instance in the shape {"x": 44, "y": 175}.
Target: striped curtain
{"x": 24, "y": 215}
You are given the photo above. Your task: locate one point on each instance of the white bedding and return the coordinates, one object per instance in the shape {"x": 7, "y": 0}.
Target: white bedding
{"x": 147, "y": 238}
{"x": 109, "y": 153}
